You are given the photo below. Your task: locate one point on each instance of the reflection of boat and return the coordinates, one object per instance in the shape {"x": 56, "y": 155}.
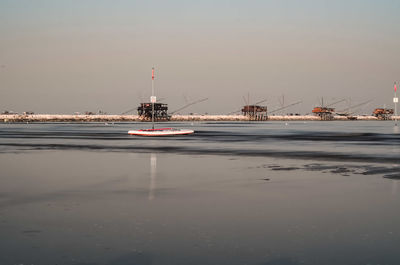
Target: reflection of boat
{"x": 153, "y": 175}
{"x": 162, "y": 131}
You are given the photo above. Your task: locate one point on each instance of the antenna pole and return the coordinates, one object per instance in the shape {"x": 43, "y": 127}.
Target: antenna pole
{"x": 395, "y": 101}
{"x": 349, "y": 106}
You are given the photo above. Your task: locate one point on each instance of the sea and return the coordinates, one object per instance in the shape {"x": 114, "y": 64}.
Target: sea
{"x": 256, "y": 193}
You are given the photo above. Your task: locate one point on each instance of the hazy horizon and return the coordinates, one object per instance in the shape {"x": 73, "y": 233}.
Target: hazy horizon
{"x": 77, "y": 56}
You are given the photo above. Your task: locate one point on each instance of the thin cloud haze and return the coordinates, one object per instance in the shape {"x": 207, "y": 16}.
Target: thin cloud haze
{"x": 76, "y": 56}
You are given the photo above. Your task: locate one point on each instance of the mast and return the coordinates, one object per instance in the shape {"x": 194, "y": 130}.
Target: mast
{"x": 152, "y": 98}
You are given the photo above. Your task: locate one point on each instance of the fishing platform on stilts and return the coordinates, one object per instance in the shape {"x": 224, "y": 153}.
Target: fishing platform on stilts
{"x": 160, "y": 112}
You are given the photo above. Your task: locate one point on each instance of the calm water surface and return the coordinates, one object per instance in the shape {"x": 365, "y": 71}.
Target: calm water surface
{"x": 232, "y": 193}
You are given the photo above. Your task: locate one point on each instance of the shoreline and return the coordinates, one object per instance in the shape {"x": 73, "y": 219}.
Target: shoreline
{"x": 5, "y": 118}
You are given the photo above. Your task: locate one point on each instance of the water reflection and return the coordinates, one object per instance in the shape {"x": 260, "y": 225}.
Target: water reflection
{"x": 396, "y": 129}
{"x": 394, "y": 187}
{"x": 153, "y": 174}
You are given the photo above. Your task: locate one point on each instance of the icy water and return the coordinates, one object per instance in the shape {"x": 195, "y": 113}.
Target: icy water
{"x": 232, "y": 193}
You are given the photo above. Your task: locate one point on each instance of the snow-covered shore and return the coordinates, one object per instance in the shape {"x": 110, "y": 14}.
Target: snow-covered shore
{"x": 119, "y": 118}
{"x": 66, "y": 118}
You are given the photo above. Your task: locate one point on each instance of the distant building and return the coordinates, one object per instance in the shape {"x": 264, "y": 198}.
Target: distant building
{"x": 255, "y": 112}
{"x": 325, "y": 113}
{"x": 383, "y": 113}
{"x": 145, "y": 111}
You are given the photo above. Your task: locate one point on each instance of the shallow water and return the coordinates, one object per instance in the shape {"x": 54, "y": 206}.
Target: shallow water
{"x": 232, "y": 193}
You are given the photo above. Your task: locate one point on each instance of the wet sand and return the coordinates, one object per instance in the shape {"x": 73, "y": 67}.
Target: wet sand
{"x": 85, "y": 207}
{"x": 232, "y": 193}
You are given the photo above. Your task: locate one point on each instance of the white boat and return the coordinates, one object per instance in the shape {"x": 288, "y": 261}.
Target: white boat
{"x": 160, "y": 132}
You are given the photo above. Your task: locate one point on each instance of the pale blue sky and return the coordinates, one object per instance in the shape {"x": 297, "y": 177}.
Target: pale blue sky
{"x": 67, "y": 56}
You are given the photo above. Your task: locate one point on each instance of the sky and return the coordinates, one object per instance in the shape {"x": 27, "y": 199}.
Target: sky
{"x": 90, "y": 55}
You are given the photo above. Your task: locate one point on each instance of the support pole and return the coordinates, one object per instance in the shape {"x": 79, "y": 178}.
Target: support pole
{"x": 395, "y": 101}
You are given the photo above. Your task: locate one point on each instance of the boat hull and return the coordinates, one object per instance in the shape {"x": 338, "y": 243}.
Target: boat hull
{"x": 160, "y": 132}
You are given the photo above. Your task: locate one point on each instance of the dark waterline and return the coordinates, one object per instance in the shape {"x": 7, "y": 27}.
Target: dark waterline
{"x": 345, "y": 142}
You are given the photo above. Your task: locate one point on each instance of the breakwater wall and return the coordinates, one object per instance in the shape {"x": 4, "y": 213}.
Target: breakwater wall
{"x": 135, "y": 118}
